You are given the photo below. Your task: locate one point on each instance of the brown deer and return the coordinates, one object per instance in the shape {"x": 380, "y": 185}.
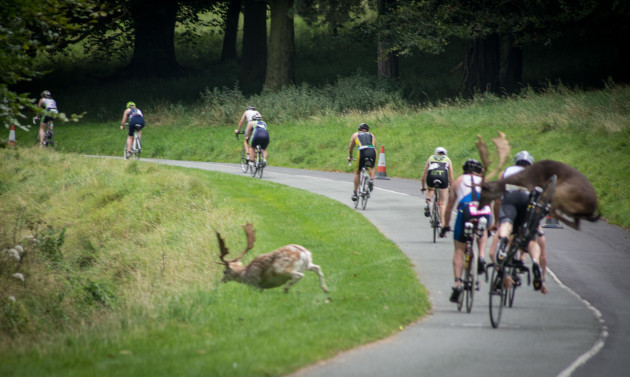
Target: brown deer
{"x": 274, "y": 269}
{"x": 574, "y": 197}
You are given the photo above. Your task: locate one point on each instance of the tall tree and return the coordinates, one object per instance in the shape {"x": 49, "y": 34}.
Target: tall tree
{"x": 30, "y": 27}
{"x": 254, "y": 57}
{"x": 154, "y": 42}
{"x": 386, "y": 53}
{"x": 230, "y": 30}
{"x": 280, "y": 61}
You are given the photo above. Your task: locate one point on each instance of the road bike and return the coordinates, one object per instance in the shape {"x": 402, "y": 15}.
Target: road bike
{"x": 434, "y": 218}
{"x": 136, "y": 147}
{"x": 49, "y": 134}
{"x": 244, "y": 160}
{"x": 473, "y": 229}
{"x": 259, "y": 163}
{"x": 363, "y": 191}
{"x": 505, "y": 272}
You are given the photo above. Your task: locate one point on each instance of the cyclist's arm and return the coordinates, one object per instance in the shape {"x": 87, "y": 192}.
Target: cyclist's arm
{"x": 124, "y": 118}
{"x": 248, "y": 130}
{"x": 450, "y": 173}
{"x": 423, "y": 181}
{"x": 451, "y": 201}
{"x": 351, "y": 146}
{"x": 240, "y": 124}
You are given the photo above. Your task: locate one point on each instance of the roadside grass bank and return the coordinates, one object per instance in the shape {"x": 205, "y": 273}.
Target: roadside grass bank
{"x": 589, "y": 130}
{"x": 123, "y": 276}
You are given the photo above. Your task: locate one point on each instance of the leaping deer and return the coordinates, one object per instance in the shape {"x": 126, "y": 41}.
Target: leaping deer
{"x": 270, "y": 270}
{"x": 574, "y": 197}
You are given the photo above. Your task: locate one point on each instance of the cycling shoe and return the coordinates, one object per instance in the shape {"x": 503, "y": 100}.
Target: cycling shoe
{"x": 456, "y": 292}
{"x": 537, "y": 276}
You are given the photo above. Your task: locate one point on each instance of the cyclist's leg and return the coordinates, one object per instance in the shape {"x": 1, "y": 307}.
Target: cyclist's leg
{"x": 458, "y": 268}
{"x": 42, "y": 131}
{"x": 443, "y": 203}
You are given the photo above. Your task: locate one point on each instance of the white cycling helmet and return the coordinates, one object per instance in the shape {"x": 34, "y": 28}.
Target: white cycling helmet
{"x": 440, "y": 150}
{"x": 523, "y": 158}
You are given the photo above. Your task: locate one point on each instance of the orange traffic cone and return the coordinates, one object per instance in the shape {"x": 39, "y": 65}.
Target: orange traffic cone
{"x": 381, "y": 170}
{"x": 12, "y": 135}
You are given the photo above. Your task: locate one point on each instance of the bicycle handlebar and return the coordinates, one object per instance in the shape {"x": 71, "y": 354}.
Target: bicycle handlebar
{"x": 239, "y": 133}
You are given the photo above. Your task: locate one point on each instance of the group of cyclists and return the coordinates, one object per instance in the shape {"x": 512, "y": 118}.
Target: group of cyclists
{"x": 463, "y": 195}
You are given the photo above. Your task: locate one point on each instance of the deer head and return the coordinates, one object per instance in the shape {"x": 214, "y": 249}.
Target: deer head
{"x": 233, "y": 267}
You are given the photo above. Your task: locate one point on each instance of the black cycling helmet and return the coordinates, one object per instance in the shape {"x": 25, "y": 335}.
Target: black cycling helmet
{"x": 251, "y": 108}
{"x": 46, "y": 94}
{"x": 472, "y": 166}
{"x": 364, "y": 126}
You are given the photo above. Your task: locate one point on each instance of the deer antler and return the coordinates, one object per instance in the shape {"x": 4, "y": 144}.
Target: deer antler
{"x": 251, "y": 237}
{"x": 503, "y": 151}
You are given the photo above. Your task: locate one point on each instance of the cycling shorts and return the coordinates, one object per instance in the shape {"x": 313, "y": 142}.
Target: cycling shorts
{"x": 260, "y": 137}
{"x": 47, "y": 118}
{"x": 439, "y": 175}
{"x": 135, "y": 123}
{"x": 370, "y": 155}
{"x": 464, "y": 215}
{"x": 513, "y": 208}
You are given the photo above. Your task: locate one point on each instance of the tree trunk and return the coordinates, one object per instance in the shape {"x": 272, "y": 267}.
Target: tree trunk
{"x": 231, "y": 30}
{"x": 280, "y": 62}
{"x": 254, "y": 57}
{"x": 387, "y": 59}
{"x": 154, "y": 44}
{"x": 511, "y": 64}
{"x": 481, "y": 66}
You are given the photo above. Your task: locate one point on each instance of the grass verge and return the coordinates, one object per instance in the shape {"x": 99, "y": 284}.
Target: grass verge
{"x": 128, "y": 286}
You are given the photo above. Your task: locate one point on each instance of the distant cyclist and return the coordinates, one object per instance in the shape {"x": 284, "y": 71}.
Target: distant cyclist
{"x": 134, "y": 118}
{"x": 50, "y": 105}
{"x": 259, "y": 134}
{"x": 246, "y": 119}
{"x": 365, "y": 142}
{"x": 438, "y": 167}
{"x": 465, "y": 195}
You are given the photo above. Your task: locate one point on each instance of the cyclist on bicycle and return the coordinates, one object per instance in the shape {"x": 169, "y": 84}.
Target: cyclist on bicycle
{"x": 465, "y": 195}
{"x": 134, "y": 118}
{"x": 438, "y": 167}
{"x": 50, "y": 105}
{"x": 512, "y": 208}
{"x": 365, "y": 142}
{"x": 248, "y": 116}
{"x": 259, "y": 134}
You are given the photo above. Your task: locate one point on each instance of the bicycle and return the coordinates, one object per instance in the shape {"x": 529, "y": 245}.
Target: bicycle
{"x": 503, "y": 290}
{"x": 363, "y": 191}
{"x": 244, "y": 164}
{"x": 136, "y": 147}
{"x": 49, "y": 134}
{"x": 259, "y": 163}
{"x": 470, "y": 280}
{"x": 434, "y": 218}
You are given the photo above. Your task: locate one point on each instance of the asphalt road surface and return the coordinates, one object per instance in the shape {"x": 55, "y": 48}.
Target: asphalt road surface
{"x": 582, "y": 328}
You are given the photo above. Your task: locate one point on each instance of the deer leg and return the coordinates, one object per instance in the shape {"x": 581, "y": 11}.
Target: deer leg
{"x": 295, "y": 277}
{"x": 572, "y": 222}
{"x": 318, "y": 270}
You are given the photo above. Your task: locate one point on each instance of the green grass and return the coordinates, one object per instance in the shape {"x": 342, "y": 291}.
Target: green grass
{"x": 134, "y": 281}
{"x": 588, "y": 130}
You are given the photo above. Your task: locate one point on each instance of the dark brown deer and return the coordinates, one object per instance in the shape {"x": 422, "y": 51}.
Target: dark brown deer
{"x": 574, "y": 197}
{"x": 274, "y": 269}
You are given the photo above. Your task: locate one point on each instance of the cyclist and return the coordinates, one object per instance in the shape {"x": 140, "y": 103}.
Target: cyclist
{"x": 133, "y": 117}
{"x": 512, "y": 208}
{"x": 465, "y": 195}
{"x": 248, "y": 115}
{"x": 438, "y": 167}
{"x": 365, "y": 142}
{"x": 50, "y": 105}
{"x": 259, "y": 134}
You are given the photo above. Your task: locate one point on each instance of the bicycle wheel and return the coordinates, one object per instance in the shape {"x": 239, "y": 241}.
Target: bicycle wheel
{"x": 470, "y": 278}
{"x": 364, "y": 189}
{"x": 435, "y": 218}
{"x": 137, "y": 149}
{"x": 244, "y": 165}
{"x": 359, "y": 191}
{"x": 497, "y": 296}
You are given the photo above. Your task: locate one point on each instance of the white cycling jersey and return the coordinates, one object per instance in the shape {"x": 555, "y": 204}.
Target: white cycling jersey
{"x": 250, "y": 114}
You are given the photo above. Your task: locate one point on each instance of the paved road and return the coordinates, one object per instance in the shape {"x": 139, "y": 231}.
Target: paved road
{"x": 580, "y": 329}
